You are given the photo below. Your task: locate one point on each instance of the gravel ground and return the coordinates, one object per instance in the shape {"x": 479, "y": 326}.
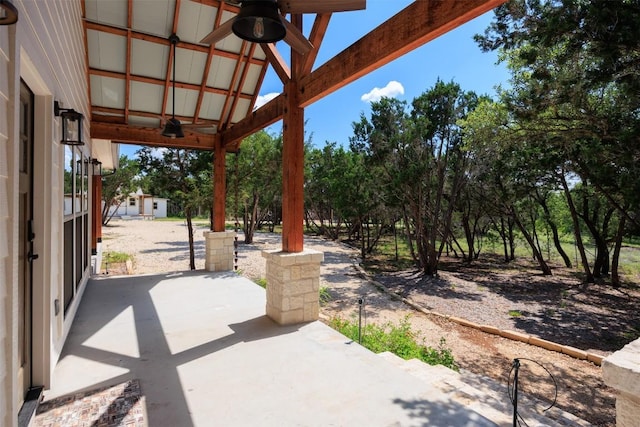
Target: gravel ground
{"x": 161, "y": 246}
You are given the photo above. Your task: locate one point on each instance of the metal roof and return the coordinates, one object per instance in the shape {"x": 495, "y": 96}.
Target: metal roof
{"x": 130, "y": 64}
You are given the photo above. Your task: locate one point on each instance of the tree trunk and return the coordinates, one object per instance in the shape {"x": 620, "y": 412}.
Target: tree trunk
{"x": 615, "y": 277}
{"x": 192, "y": 256}
{"x": 576, "y": 230}
{"x": 554, "y": 231}
{"x": 544, "y": 267}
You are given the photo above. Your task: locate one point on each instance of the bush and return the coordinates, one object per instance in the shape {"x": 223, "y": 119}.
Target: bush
{"x": 398, "y": 339}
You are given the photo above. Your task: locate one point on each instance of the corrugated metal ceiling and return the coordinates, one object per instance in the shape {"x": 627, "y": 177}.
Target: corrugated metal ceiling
{"x": 130, "y": 64}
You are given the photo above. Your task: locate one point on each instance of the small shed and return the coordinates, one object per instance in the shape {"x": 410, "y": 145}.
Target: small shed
{"x": 141, "y": 205}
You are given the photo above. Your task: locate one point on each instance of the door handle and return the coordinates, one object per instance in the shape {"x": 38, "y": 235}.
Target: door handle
{"x": 31, "y": 257}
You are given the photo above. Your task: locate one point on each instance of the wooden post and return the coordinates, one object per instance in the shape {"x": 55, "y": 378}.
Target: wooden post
{"x": 219, "y": 186}
{"x": 293, "y": 158}
{"x": 96, "y": 223}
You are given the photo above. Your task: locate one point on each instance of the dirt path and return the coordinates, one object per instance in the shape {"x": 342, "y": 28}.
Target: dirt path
{"x": 161, "y": 247}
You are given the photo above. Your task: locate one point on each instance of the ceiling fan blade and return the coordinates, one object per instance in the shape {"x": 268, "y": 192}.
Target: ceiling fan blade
{"x": 324, "y": 6}
{"x": 218, "y": 34}
{"x": 296, "y": 39}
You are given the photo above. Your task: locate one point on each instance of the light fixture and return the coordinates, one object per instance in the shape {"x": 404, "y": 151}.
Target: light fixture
{"x": 173, "y": 128}
{"x": 71, "y": 124}
{"x": 94, "y": 163}
{"x": 259, "y": 21}
{"x": 8, "y": 13}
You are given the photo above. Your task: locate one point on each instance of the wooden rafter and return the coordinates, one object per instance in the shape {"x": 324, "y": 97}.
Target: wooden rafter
{"x": 243, "y": 78}
{"x": 127, "y": 81}
{"x": 317, "y": 35}
{"x": 207, "y": 67}
{"x": 419, "y": 23}
{"x": 150, "y": 136}
{"x": 412, "y": 27}
{"x": 268, "y": 114}
{"x": 225, "y": 113}
{"x": 159, "y": 40}
{"x": 155, "y": 81}
{"x": 277, "y": 62}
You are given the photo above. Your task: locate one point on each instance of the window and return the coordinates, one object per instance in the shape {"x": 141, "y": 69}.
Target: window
{"x": 132, "y": 201}
{"x": 155, "y": 205}
{"x": 76, "y": 221}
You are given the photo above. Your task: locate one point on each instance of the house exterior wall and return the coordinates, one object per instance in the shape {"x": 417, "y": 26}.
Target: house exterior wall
{"x": 161, "y": 211}
{"x": 125, "y": 209}
{"x": 8, "y": 271}
{"x": 45, "y": 49}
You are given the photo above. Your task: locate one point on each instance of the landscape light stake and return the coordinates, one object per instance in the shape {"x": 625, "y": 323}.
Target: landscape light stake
{"x": 516, "y": 367}
{"x": 360, "y": 304}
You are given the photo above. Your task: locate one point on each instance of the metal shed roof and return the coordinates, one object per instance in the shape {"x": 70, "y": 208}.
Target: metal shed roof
{"x": 130, "y": 64}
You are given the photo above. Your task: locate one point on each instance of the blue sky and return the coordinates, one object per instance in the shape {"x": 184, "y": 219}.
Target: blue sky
{"x": 453, "y": 56}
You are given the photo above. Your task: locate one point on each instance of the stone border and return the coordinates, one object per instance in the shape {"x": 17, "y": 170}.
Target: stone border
{"x": 594, "y": 358}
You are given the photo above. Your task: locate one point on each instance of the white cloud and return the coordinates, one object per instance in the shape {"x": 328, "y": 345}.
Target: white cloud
{"x": 263, "y": 99}
{"x": 391, "y": 90}
{"x": 158, "y": 152}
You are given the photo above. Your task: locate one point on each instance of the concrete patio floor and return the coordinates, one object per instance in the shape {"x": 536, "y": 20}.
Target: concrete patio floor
{"x": 205, "y": 354}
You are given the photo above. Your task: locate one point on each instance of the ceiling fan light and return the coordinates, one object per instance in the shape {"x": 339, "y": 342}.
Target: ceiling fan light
{"x": 259, "y": 22}
{"x": 173, "y": 129}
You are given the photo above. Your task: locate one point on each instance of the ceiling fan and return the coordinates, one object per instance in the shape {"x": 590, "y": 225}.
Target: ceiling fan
{"x": 261, "y": 21}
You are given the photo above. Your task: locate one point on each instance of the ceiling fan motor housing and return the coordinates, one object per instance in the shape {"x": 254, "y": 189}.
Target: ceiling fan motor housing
{"x": 259, "y": 22}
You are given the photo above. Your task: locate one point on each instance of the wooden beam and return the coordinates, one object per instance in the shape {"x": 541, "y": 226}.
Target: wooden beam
{"x": 292, "y": 173}
{"x": 317, "y": 35}
{"x": 264, "y": 116}
{"x": 277, "y": 62}
{"x": 225, "y": 114}
{"x": 150, "y": 136}
{"x": 417, "y": 24}
{"x": 293, "y": 157}
{"x": 219, "y": 187}
{"x": 160, "y": 82}
{"x": 243, "y": 79}
{"x": 90, "y": 25}
{"x": 96, "y": 219}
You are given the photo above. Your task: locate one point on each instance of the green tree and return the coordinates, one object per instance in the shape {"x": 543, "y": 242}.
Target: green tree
{"x": 259, "y": 180}
{"x": 183, "y": 176}
{"x": 421, "y": 155}
{"x": 117, "y": 185}
{"x": 575, "y": 90}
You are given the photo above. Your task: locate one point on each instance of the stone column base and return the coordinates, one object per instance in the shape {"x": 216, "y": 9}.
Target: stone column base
{"x": 219, "y": 250}
{"x": 293, "y": 283}
{"x": 621, "y": 371}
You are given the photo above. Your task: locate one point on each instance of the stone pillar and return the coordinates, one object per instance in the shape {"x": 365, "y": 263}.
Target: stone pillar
{"x": 293, "y": 284}
{"x": 219, "y": 250}
{"x": 621, "y": 371}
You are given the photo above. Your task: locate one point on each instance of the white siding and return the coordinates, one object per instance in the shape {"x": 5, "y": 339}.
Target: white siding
{"x": 7, "y": 272}
{"x": 46, "y": 49}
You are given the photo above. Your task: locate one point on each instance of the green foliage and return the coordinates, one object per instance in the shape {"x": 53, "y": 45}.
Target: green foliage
{"x": 185, "y": 177}
{"x": 262, "y": 282}
{"x": 113, "y": 257}
{"x": 325, "y": 295}
{"x": 118, "y": 184}
{"x": 398, "y": 339}
{"x": 515, "y": 313}
{"x": 254, "y": 183}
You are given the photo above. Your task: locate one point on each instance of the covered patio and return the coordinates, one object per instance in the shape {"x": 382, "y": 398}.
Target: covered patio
{"x": 203, "y": 353}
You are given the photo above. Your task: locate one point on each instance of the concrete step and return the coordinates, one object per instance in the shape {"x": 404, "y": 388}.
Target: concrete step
{"x": 484, "y": 395}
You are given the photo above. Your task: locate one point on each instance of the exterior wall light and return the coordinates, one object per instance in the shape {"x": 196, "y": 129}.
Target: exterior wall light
{"x": 97, "y": 167}
{"x": 71, "y": 124}
{"x": 8, "y": 13}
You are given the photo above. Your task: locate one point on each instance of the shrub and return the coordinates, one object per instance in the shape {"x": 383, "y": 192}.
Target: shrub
{"x": 325, "y": 296}
{"x": 398, "y": 339}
